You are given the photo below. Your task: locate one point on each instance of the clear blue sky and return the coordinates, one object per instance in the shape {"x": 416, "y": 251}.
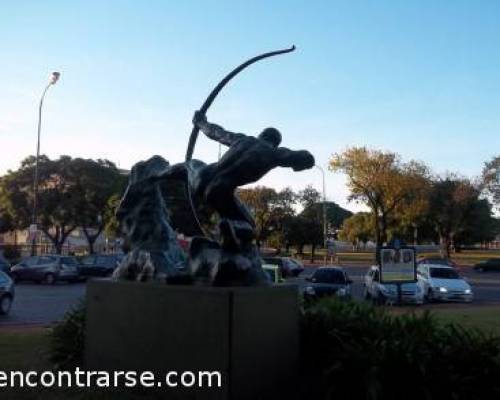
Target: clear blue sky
{"x": 417, "y": 77}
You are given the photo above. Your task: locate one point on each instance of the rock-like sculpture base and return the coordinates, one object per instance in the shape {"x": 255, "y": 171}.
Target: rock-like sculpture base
{"x": 249, "y": 334}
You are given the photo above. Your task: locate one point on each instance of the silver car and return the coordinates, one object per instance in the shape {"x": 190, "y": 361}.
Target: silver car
{"x": 383, "y": 293}
{"x": 6, "y": 293}
{"x": 442, "y": 283}
{"x": 47, "y": 269}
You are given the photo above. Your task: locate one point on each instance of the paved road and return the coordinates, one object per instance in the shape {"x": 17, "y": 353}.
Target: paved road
{"x": 485, "y": 285}
{"x": 41, "y": 304}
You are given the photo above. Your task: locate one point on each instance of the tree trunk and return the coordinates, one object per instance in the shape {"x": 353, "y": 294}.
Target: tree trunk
{"x": 376, "y": 225}
{"x": 313, "y": 250}
{"x": 444, "y": 241}
{"x": 383, "y": 230}
{"x": 59, "y": 237}
{"x": 300, "y": 249}
{"x": 91, "y": 239}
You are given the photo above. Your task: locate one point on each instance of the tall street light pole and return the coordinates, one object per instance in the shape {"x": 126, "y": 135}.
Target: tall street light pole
{"x": 324, "y": 209}
{"x": 54, "y": 77}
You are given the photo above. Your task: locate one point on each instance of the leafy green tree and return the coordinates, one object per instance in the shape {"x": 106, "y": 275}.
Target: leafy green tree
{"x": 358, "y": 228}
{"x": 309, "y": 196}
{"x": 112, "y": 228}
{"x": 479, "y": 225}
{"x": 381, "y": 181}
{"x": 491, "y": 179}
{"x": 95, "y": 183}
{"x": 260, "y": 200}
{"x": 451, "y": 204}
{"x": 72, "y": 192}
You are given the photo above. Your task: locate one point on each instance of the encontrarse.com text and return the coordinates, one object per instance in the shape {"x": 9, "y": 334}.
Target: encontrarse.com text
{"x": 116, "y": 379}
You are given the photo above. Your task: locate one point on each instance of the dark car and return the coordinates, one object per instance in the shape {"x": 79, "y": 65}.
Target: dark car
{"x": 48, "y": 269}
{"x": 328, "y": 281}
{"x": 288, "y": 266}
{"x": 492, "y": 264}
{"x": 4, "y": 265}
{"x": 6, "y": 293}
{"x": 436, "y": 261}
{"x": 99, "y": 265}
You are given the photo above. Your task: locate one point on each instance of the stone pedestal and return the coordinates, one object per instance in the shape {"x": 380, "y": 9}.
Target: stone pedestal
{"x": 250, "y": 335}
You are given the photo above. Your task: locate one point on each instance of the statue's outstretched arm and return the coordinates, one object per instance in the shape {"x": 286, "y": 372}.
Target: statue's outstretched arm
{"x": 215, "y": 132}
{"x": 296, "y": 159}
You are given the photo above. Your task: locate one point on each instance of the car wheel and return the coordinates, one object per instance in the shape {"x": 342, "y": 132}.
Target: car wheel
{"x": 50, "y": 279}
{"x": 429, "y": 296}
{"x": 5, "y": 304}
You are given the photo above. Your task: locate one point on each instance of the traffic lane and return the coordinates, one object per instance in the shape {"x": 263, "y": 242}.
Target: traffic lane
{"x": 42, "y": 304}
{"x": 485, "y": 285}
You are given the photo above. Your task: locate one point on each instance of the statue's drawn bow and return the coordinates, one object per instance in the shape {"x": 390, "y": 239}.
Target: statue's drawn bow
{"x": 208, "y": 102}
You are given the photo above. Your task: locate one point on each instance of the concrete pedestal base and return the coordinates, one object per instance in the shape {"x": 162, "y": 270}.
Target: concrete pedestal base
{"x": 250, "y": 335}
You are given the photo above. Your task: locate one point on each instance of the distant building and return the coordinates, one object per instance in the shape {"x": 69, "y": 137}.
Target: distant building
{"x": 76, "y": 242}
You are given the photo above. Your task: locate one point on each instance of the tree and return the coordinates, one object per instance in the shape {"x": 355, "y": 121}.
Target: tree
{"x": 304, "y": 231}
{"x": 112, "y": 228}
{"x": 381, "y": 181}
{"x": 309, "y": 196}
{"x": 261, "y": 201}
{"x": 358, "y": 228}
{"x": 452, "y": 201}
{"x": 479, "y": 226}
{"x": 313, "y": 213}
{"x": 95, "y": 183}
{"x": 71, "y": 193}
{"x": 491, "y": 179}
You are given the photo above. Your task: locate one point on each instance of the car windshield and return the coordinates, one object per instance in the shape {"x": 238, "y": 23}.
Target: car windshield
{"x": 68, "y": 260}
{"x": 328, "y": 276}
{"x": 444, "y": 273}
{"x": 88, "y": 260}
{"x": 438, "y": 261}
{"x": 270, "y": 273}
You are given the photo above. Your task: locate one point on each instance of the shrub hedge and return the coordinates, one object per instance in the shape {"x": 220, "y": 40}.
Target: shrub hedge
{"x": 356, "y": 351}
{"x": 352, "y": 350}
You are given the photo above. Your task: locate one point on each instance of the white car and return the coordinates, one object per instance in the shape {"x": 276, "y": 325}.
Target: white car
{"x": 442, "y": 283}
{"x": 382, "y": 293}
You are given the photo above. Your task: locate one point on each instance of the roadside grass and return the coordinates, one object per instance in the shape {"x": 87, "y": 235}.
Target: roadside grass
{"x": 485, "y": 318}
{"x": 463, "y": 258}
{"x": 25, "y": 349}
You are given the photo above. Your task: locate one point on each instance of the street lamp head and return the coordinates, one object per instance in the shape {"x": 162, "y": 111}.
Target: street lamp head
{"x": 54, "y": 77}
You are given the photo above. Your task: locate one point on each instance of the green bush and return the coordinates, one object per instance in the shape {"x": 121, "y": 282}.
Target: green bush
{"x": 356, "y": 351}
{"x": 67, "y": 339}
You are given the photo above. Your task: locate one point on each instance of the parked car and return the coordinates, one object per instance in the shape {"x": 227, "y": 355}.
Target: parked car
{"x": 4, "y": 265}
{"x": 382, "y": 293}
{"x": 274, "y": 273}
{"x": 492, "y": 264}
{"x": 437, "y": 261}
{"x": 443, "y": 283}
{"x": 47, "y": 268}
{"x": 6, "y": 293}
{"x": 328, "y": 281}
{"x": 289, "y": 267}
{"x": 99, "y": 265}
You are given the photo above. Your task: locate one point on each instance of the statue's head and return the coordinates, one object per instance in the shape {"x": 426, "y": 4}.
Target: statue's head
{"x": 272, "y": 136}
